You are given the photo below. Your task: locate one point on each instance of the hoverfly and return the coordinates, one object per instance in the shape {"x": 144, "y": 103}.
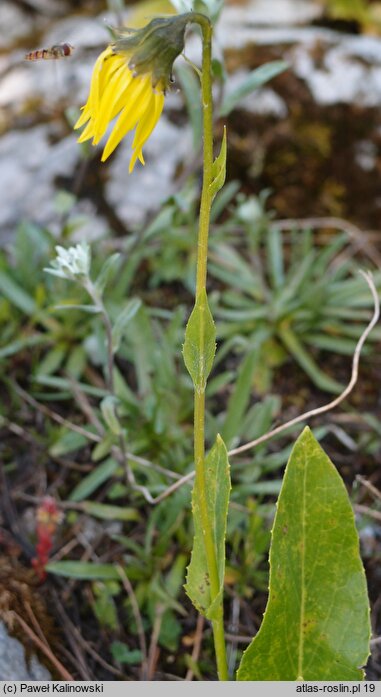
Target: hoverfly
{"x": 52, "y": 53}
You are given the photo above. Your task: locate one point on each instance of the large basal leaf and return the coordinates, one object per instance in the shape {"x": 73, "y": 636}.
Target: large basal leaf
{"x": 200, "y": 343}
{"x": 316, "y": 624}
{"x": 217, "y": 484}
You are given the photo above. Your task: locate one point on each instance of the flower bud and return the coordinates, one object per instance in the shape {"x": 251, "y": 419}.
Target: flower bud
{"x": 154, "y": 48}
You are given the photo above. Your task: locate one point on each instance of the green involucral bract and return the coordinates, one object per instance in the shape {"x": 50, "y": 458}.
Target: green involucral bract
{"x": 154, "y": 48}
{"x": 316, "y": 625}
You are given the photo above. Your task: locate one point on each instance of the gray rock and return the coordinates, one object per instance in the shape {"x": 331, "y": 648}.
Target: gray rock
{"x": 235, "y": 31}
{"x": 81, "y": 32}
{"x": 92, "y": 529}
{"x": 30, "y": 163}
{"x": 51, "y": 8}
{"x": 276, "y": 12}
{"x": 45, "y": 81}
{"x": 16, "y": 86}
{"x": 13, "y": 22}
{"x": 13, "y": 665}
{"x": 366, "y": 155}
{"x": 133, "y": 196}
{"x": 18, "y": 153}
{"x": 344, "y": 75}
{"x": 350, "y": 71}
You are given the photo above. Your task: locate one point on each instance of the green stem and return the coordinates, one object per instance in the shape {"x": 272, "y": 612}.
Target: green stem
{"x": 98, "y": 301}
{"x": 207, "y": 105}
{"x": 199, "y": 398}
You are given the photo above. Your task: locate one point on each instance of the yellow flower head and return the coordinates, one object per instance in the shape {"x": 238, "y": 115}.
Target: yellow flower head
{"x": 129, "y": 81}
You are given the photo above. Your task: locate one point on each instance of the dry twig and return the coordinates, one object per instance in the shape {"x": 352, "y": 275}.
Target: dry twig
{"x": 365, "y": 510}
{"x": 196, "y": 645}
{"x": 368, "y": 485}
{"x": 138, "y": 619}
{"x": 43, "y": 646}
{"x": 154, "y": 651}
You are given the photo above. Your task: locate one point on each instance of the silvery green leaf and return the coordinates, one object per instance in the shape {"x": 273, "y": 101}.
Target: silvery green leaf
{"x": 107, "y": 271}
{"x": 98, "y": 476}
{"x": 91, "y": 309}
{"x": 56, "y": 272}
{"x": 127, "y": 314}
{"x": 252, "y": 82}
{"x": 108, "y": 408}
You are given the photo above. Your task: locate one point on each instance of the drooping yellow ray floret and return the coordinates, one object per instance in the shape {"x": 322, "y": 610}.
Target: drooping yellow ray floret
{"x": 116, "y": 92}
{"x": 129, "y": 81}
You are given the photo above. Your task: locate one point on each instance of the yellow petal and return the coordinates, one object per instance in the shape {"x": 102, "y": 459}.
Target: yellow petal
{"x": 88, "y": 109}
{"x": 145, "y": 127}
{"x": 83, "y": 118}
{"x": 105, "y": 67}
{"x": 115, "y": 90}
{"x": 94, "y": 86}
{"x": 137, "y": 154}
{"x": 111, "y": 64}
{"x": 138, "y": 99}
{"x": 87, "y": 133}
{"x": 112, "y": 100}
{"x": 149, "y": 121}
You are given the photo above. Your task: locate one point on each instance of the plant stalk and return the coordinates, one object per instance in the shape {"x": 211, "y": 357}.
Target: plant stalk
{"x": 199, "y": 397}
{"x": 98, "y": 302}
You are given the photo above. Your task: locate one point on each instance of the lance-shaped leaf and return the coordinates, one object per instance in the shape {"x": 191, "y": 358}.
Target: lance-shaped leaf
{"x": 200, "y": 342}
{"x": 219, "y": 169}
{"x": 127, "y": 314}
{"x": 84, "y": 570}
{"x": 107, "y": 272}
{"x": 190, "y": 86}
{"x": 109, "y": 406}
{"x": 95, "y": 479}
{"x": 217, "y": 491}
{"x": 255, "y": 79}
{"x": 316, "y": 624}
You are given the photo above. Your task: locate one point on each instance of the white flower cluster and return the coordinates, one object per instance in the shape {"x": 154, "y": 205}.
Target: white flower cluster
{"x": 71, "y": 263}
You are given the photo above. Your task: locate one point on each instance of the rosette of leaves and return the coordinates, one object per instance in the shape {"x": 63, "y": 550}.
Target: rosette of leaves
{"x": 293, "y": 293}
